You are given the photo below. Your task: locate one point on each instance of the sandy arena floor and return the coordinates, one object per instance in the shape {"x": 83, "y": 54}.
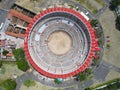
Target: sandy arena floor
{"x": 59, "y": 42}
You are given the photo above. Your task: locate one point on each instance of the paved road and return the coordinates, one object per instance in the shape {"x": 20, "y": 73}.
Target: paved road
{"x": 3, "y": 14}
{"x": 110, "y": 66}
{"x": 81, "y": 7}
{"x": 103, "y": 9}
{"x": 107, "y": 1}
{"x": 50, "y": 82}
{"x": 6, "y": 4}
{"x": 101, "y": 72}
{"x": 22, "y": 78}
{"x": 103, "y": 69}
{"x": 27, "y": 75}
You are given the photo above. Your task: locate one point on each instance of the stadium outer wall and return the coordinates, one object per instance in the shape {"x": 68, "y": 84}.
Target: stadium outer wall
{"x": 93, "y": 47}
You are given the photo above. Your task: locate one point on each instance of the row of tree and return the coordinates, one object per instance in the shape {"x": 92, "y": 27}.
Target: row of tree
{"x": 118, "y": 22}
{"x": 110, "y": 85}
{"x": 22, "y": 63}
{"x": 114, "y": 6}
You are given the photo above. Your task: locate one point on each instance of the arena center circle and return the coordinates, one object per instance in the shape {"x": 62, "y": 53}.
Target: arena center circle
{"x": 59, "y": 42}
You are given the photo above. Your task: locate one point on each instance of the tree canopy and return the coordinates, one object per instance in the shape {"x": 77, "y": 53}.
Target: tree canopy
{"x": 81, "y": 76}
{"x": 114, "y": 4}
{"x": 22, "y": 63}
{"x": 8, "y": 84}
{"x": 19, "y": 54}
{"x": 5, "y": 52}
{"x": 118, "y": 22}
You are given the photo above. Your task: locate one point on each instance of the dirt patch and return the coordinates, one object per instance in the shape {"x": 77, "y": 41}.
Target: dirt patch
{"x": 59, "y": 42}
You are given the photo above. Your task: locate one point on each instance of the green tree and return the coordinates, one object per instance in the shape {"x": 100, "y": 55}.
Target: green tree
{"x": 94, "y": 22}
{"x": 29, "y": 83}
{"x": 88, "y": 89}
{"x": 0, "y": 64}
{"x": 114, "y": 4}
{"x": 19, "y": 54}
{"x": 118, "y": 22}
{"x": 23, "y": 65}
{"x": 56, "y": 81}
{"x": 21, "y": 60}
{"x": 88, "y": 71}
{"x": 108, "y": 46}
{"x": 81, "y": 76}
{"x": 5, "y": 52}
{"x": 8, "y": 84}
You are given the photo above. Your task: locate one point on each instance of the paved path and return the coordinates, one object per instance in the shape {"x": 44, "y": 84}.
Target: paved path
{"x": 48, "y": 82}
{"x": 81, "y": 7}
{"x": 54, "y": 2}
{"x": 22, "y": 78}
{"x": 103, "y": 69}
{"x": 6, "y": 4}
{"x": 3, "y": 14}
{"x": 101, "y": 72}
{"x": 110, "y": 66}
{"x": 101, "y": 11}
{"x": 27, "y": 75}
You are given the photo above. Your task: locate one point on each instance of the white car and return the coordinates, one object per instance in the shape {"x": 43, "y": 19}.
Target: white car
{"x": 1, "y": 25}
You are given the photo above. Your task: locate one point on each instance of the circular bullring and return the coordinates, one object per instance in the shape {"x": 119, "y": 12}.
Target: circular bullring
{"x": 59, "y": 42}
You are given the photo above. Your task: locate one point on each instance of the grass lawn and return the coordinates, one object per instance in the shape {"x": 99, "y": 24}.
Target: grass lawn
{"x": 112, "y": 75}
{"x": 8, "y": 70}
{"x": 38, "y": 86}
{"x": 111, "y": 55}
{"x": 92, "y": 5}
{"x": 100, "y": 2}
{"x": 30, "y": 5}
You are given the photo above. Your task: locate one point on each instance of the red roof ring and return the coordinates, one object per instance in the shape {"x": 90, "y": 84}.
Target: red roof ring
{"x": 40, "y": 59}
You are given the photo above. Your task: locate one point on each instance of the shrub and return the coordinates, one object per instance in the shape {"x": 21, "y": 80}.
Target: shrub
{"x": 56, "y": 81}
{"x": 29, "y": 83}
{"x": 5, "y": 52}
{"x": 94, "y": 22}
{"x": 108, "y": 46}
{"x": 0, "y": 64}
